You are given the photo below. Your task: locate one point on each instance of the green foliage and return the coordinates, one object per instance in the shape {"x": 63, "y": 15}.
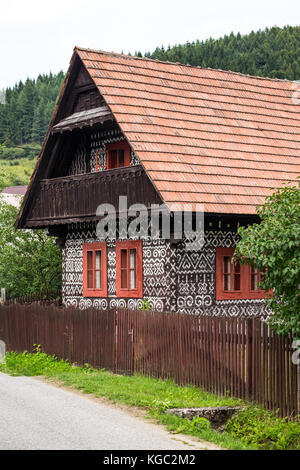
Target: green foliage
{"x": 274, "y": 245}
{"x": 29, "y": 151}
{"x": 264, "y": 430}
{"x": 30, "y": 261}
{"x": 145, "y": 304}
{"x": 273, "y": 53}
{"x": 161, "y": 405}
{"x": 3, "y": 179}
{"x": 33, "y": 364}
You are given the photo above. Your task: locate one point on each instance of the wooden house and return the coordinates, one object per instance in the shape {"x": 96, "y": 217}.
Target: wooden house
{"x": 161, "y": 133}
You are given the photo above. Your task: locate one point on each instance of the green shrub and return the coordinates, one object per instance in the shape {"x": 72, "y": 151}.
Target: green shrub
{"x": 11, "y": 153}
{"x": 259, "y": 427}
{"x": 145, "y": 304}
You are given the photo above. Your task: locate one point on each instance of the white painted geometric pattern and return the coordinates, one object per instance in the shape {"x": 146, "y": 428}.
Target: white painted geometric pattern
{"x": 174, "y": 279}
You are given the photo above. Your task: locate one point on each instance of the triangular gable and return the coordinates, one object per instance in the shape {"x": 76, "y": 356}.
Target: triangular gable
{"x": 76, "y": 85}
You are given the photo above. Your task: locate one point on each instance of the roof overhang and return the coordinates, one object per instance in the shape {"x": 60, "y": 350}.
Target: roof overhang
{"x": 84, "y": 119}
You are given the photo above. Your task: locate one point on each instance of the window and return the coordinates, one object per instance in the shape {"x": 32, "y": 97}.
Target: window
{"x": 231, "y": 275}
{"x": 256, "y": 276}
{"x": 94, "y": 270}
{"x": 118, "y": 155}
{"x": 234, "y": 280}
{"x": 129, "y": 268}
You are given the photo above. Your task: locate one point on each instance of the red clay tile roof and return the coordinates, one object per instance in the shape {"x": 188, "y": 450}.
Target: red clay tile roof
{"x": 219, "y": 138}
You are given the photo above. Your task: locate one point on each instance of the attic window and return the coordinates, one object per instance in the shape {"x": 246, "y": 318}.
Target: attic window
{"x": 118, "y": 155}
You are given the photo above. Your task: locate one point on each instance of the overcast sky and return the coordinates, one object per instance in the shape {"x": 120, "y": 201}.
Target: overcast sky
{"x": 39, "y": 36}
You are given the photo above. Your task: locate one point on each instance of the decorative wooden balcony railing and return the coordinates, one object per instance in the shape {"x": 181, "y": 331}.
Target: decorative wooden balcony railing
{"x": 76, "y": 198}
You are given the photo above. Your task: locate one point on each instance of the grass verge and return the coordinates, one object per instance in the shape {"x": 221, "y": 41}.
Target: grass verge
{"x": 253, "y": 428}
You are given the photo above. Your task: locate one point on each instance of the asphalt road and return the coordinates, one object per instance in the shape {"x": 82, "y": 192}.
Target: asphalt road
{"x": 35, "y": 415}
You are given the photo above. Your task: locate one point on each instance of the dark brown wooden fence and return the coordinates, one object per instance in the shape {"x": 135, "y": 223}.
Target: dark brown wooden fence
{"x": 239, "y": 356}
{"x": 45, "y": 297}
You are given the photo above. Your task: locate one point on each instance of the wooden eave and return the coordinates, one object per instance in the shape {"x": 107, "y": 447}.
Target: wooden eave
{"x": 83, "y": 119}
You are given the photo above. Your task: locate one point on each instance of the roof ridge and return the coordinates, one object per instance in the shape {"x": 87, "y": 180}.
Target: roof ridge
{"x": 133, "y": 57}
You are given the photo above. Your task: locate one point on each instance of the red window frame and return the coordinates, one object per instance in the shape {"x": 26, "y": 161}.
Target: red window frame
{"x": 113, "y": 151}
{"x": 90, "y": 269}
{"x": 241, "y": 289}
{"x": 126, "y": 271}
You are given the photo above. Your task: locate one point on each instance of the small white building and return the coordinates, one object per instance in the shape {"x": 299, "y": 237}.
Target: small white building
{"x": 13, "y": 194}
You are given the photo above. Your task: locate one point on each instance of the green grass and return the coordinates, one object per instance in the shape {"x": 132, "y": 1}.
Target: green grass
{"x": 17, "y": 172}
{"x": 17, "y": 163}
{"x": 253, "y": 428}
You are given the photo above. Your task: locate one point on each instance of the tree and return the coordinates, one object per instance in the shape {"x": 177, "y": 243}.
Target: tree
{"x": 30, "y": 261}
{"x": 25, "y": 109}
{"x": 274, "y": 245}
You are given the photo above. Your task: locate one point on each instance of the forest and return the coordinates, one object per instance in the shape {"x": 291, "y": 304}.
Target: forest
{"x": 273, "y": 52}
{"x": 26, "y": 108}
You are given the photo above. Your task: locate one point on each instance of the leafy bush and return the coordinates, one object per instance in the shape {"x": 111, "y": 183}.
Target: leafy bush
{"x": 273, "y": 246}
{"x": 29, "y": 151}
{"x": 30, "y": 260}
{"x": 259, "y": 427}
{"x": 11, "y": 153}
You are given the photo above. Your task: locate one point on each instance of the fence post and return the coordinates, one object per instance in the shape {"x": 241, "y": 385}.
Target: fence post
{"x": 249, "y": 361}
{"x": 181, "y": 369}
{"x": 3, "y": 295}
{"x": 116, "y": 333}
{"x": 298, "y": 388}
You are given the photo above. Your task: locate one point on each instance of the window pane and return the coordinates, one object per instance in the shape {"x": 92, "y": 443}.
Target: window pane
{"x": 132, "y": 264}
{"x": 226, "y": 264}
{"x": 113, "y": 159}
{"x": 124, "y": 269}
{"x": 90, "y": 260}
{"x": 124, "y": 278}
{"x": 123, "y": 259}
{"x": 132, "y": 279}
{"x": 90, "y": 279}
{"x": 98, "y": 279}
{"x": 237, "y": 267}
{"x": 236, "y": 276}
{"x": 254, "y": 278}
{"x": 132, "y": 259}
{"x": 226, "y": 272}
{"x": 121, "y": 157}
{"x": 90, "y": 270}
{"x": 98, "y": 259}
{"x": 98, "y": 269}
{"x": 226, "y": 282}
{"x": 236, "y": 282}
